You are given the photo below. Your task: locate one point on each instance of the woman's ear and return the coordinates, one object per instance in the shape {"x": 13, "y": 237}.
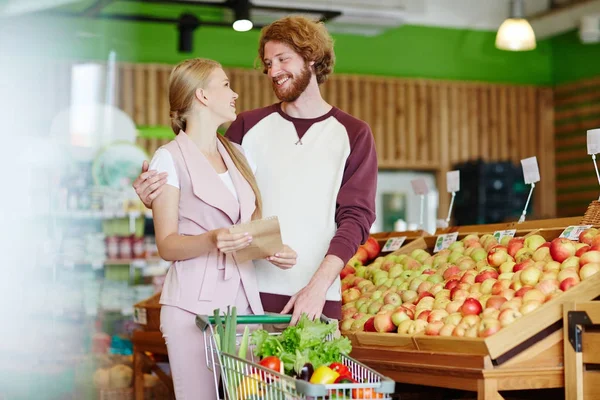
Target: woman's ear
{"x": 311, "y": 63}
{"x": 201, "y": 96}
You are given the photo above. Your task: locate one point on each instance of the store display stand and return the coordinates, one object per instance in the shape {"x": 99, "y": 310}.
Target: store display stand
{"x": 151, "y": 342}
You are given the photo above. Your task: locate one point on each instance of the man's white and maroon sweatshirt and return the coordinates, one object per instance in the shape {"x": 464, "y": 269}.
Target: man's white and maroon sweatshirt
{"x": 319, "y": 177}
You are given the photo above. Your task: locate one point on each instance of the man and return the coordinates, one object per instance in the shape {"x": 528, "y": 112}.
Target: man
{"x": 316, "y": 168}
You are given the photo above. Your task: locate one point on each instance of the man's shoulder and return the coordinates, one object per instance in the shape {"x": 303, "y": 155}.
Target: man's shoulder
{"x": 354, "y": 126}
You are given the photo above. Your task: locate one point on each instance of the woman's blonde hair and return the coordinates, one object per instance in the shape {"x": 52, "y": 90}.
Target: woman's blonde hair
{"x": 185, "y": 78}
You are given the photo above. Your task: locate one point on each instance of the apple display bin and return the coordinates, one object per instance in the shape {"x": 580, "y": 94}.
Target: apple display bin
{"x": 243, "y": 379}
{"x": 528, "y": 354}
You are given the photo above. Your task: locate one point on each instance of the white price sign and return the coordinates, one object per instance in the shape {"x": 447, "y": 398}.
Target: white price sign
{"x": 453, "y": 181}
{"x": 593, "y": 141}
{"x": 419, "y": 186}
{"x": 393, "y": 244}
{"x": 139, "y": 316}
{"x": 573, "y": 232}
{"x": 531, "y": 172}
{"x": 444, "y": 241}
{"x": 499, "y": 235}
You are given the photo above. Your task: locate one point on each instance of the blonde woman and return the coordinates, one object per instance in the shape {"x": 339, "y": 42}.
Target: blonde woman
{"x": 210, "y": 186}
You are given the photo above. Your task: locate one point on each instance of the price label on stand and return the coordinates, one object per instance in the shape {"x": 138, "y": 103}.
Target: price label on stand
{"x": 419, "y": 186}
{"x": 453, "y": 181}
{"x": 139, "y": 316}
{"x": 499, "y": 235}
{"x": 393, "y": 244}
{"x": 593, "y": 141}
{"x": 531, "y": 171}
{"x": 444, "y": 241}
{"x": 573, "y": 232}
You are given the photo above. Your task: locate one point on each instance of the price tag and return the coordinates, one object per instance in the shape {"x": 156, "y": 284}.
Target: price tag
{"x": 393, "y": 244}
{"x": 453, "y": 181}
{"x": 139, "y": 316}
{"x": 419, "y": 186}
{"x": 499, "y": 235}
{"x": 573, "y": 232}
{"x": 531, "y": 172}
{"x": 444, "y": 241}
{"x": 593, "y": 141}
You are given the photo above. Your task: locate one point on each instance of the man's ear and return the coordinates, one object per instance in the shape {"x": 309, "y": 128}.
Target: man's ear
{"x": 201, "y": 96}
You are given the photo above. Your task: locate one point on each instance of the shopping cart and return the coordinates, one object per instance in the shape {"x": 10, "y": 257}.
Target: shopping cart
{"x": 244, "y": 379}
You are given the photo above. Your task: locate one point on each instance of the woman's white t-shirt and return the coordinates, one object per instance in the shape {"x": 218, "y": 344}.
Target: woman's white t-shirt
{"x": 163, "y": 162}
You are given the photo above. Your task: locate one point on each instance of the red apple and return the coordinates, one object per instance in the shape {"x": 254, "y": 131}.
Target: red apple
{"x": 523, "y": 264}
{"x": 383, "y": 323}
{"x": 497, "y": 255}
{"x": 514, "y": 304}
{"x": 521, "y": 292}
{"x": 592, "y": 256}
{"x": 530, "y": 276}
{"x": 369, "y": 325}
{"x": 451, "y": 284}
{"x": 568, "y": 283}
{"x": 471, "y": 307}
{"x": 561, "y": 249}
{"x": 434, "y": 328}
{"x": 437, "y": 315}
{"x": 487, "y": 274}
{"x": 587, "y": 235}
{"x": 514, "y": 245}
{"x": 350, "y": 295}
{"x": 452, "y": 270}
{"x": 447, "y": 330}
{"x": 548, "y": 286}
{"x": 583, "y": 249}
{"x": 454, "y": 306}
{"x": 534, "y": 295}
{"x": 500, "y": 285}
{"x": 372, "y": 247}
{"x": 361, "y": 255}
{"x": 495, "y": 302}
{"x": 424, "y": 294}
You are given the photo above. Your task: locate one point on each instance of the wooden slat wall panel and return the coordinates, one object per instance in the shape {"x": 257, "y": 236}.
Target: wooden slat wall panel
{"x": 417, "y": 124}
{"x": 577, "y": 109}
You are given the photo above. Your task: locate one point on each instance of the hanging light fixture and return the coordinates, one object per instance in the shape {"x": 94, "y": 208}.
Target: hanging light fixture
{"x": 241, "y": 11}
{"x": 515, "y": 33}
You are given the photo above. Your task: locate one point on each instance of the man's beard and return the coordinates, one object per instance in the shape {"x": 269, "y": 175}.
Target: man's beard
{"x": 297, "y": 86}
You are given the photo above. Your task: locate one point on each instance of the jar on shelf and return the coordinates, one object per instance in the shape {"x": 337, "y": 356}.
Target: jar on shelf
{"x": 125, "y": 247}
{"x": 112, "y": 247}
{"x": 139, "y": 250}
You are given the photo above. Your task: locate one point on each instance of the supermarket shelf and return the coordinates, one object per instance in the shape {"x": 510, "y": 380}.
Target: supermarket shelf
{"x": 98, "y": 214}
{"x": 141, "y": 262}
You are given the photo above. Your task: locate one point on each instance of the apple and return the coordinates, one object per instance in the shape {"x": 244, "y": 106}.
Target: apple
{"x": 471, "y": 307}
{"x": 441, "y": 304}
{"x": 422, "y": 314}
{"x": 571, "y": 262}
{"x": 588, "y": 235}
{"x": 514, "y": 304}
{"x": 424, "y": 287}
{"x": 588, "y": 270}
{"x": 409, "y": 296}
{"x": 453, "y": 318}
{"x": 404, "y": 326}
{"x": 561, "y": 249}
{"x": 346, "y": 325}
{"x": 386, "y": 308}
{"x": 542, "y": 254}
{"x": 548, "y": 286}
{"x": 435, "y": 279}
{"x": 568, "y": 283}
{"x": 552, "y": 266}
{"x": 349, "y": 312}
{"x": 460, "y": 330}
{"x": 372, "y": 247}
{"x": 500, "y": 285}
{"x": 530, "y": 276}
{"x": 454, "y": 306}
{"x": 451, "y": 284}
{"x": 399, "y": 315}
{"x": 479, "y": 254}
{"x": 361, "y": 255}
{"x": 496, "y": 302}
{"x": 490, "y": 313}
{"x": 592, "y": 256}
{"x": 468, "y": 277}
{"x": 534, "y": 295}
{"x": 463, "y": 286}
{"x": 488, "y": 327}
{"x": 529, "y": 306}
{"x": 435, "y": 289}
{"x": 482, "y": 276}
{"x": 568, "y": 273}
{"x": 350, "y": 295}
{"x": 417, "y": 326}
{"x": 359, "y": 324}
{"x": 583, "y": 249}
{"x": 487, "y": 285}
{"x": 508, "y": 294}
{"x": 521, "y": 292}
{"x": 458, "y": 294}
{"x": 443, "y": 294}
{"x": 475, "y": 288}
{"x": 466, "y": 263}
{"x": 506, "y": 267}
{"x": 524, "y": 254}
{"x": 437, "y": 315}
{"x": 434, "y": 328}
{"x": 523, "y": 264}
{"x": 508, "y": 316}
{"x": 470, "y": 320}
{"x": 452, "y": 270}
{"x": 383, "y": 323}
{"x": 395, "y": 271}
{"x": 393, "y": 299}
{"x": 497, "y": 256}
{"x": 347, "y": 270}
{"x": 507, "y": 276}
{"x": 534, "y": 241}
{"x": 514, "y": 245}
{"x": 447, "y": 330}
{"x": 424, "y": 294}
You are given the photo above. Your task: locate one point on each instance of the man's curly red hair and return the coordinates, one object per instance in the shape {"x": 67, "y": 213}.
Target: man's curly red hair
{"x": 308, "y": 38}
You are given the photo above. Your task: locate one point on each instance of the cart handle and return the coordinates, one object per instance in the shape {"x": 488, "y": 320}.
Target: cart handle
{"x": 203, "y": 321}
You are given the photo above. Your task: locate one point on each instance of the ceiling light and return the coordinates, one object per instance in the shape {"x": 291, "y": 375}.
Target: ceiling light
{"x": 515, "y": 33}
{"x": 241, "y": 11}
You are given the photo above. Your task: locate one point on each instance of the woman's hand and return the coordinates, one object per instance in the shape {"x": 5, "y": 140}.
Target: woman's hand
{"x": 285, "y": 259}
{"x": 149, "y": 184}
{"x": 231, "y": 242}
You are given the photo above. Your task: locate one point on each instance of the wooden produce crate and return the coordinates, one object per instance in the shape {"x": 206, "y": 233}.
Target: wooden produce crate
{"x": 146, "y": 313}
{"x": 526, "y": 225}
{"x": 528, "y": 354}
{"x": 582, "y": 350}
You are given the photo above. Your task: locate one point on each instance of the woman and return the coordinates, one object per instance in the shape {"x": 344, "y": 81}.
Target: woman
{"x": 210, "y": 187}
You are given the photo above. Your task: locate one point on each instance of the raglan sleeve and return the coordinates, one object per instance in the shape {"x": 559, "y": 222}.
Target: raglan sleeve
{"x": 235, "y": 132}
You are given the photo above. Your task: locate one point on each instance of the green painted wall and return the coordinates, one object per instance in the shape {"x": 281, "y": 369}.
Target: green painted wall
{"x": 408, "y": 51}
{"x": 573, "y": 60}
